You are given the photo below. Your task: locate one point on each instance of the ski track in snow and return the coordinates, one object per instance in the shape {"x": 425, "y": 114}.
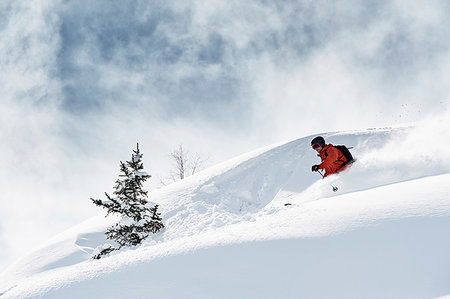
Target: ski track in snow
{"x": 242, "y": 201}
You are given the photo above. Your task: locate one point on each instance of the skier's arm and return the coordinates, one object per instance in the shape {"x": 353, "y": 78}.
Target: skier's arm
{"x": 331, "y": 163}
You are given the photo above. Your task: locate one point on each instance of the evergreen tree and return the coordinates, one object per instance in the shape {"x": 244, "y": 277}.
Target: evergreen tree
{"x": 130, "y": 202}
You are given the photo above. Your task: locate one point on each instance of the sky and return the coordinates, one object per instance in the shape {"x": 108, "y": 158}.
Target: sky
{"x": 82, "y": 82}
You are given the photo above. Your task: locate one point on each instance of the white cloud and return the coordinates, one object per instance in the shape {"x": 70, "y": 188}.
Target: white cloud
{"x": 28, "y": 118}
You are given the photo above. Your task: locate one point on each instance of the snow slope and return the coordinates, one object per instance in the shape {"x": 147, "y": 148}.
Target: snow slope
{"x": 384, "y": 234}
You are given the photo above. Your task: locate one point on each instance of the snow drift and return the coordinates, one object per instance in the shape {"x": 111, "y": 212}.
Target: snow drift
{"x": 229, "y": 235}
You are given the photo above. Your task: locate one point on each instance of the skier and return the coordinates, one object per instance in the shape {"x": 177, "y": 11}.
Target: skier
{"x": 334, "y": 159}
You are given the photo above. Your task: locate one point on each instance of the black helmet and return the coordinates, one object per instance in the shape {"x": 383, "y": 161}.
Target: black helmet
{"x": 319, "y": 140}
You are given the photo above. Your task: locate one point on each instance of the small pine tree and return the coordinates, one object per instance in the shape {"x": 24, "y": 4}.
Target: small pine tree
{"x": 129, "y": 201}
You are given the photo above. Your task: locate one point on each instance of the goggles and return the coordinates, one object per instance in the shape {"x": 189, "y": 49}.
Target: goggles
{"x": 315, "y": 145}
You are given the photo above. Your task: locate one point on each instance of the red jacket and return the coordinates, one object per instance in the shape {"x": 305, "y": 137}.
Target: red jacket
{"x": 332, "y": 160}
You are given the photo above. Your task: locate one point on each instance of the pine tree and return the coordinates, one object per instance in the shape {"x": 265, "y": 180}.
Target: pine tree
{"x": 130, "y": 202}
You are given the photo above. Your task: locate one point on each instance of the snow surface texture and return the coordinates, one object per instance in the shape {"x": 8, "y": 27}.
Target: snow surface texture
{"x": 384, "y": 234}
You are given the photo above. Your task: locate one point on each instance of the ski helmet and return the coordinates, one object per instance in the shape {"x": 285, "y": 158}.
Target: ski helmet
{"x": 319, "y": 140}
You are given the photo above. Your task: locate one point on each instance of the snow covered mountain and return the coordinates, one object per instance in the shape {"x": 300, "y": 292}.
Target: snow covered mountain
{"x": 384, "y": 234}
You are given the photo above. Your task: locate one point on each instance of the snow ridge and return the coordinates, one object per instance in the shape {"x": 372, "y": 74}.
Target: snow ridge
{"x": 238, "y": 207}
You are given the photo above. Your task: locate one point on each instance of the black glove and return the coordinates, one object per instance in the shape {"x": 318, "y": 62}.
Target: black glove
{"x": 315, "y": 168}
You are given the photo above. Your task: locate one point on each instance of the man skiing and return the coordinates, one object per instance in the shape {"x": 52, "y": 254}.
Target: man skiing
{"x": 334, "y": 159}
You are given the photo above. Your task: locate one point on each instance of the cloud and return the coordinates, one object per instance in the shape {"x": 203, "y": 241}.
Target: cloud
{"x": 28, "y": 118}
{"x": 218, "y": 62}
